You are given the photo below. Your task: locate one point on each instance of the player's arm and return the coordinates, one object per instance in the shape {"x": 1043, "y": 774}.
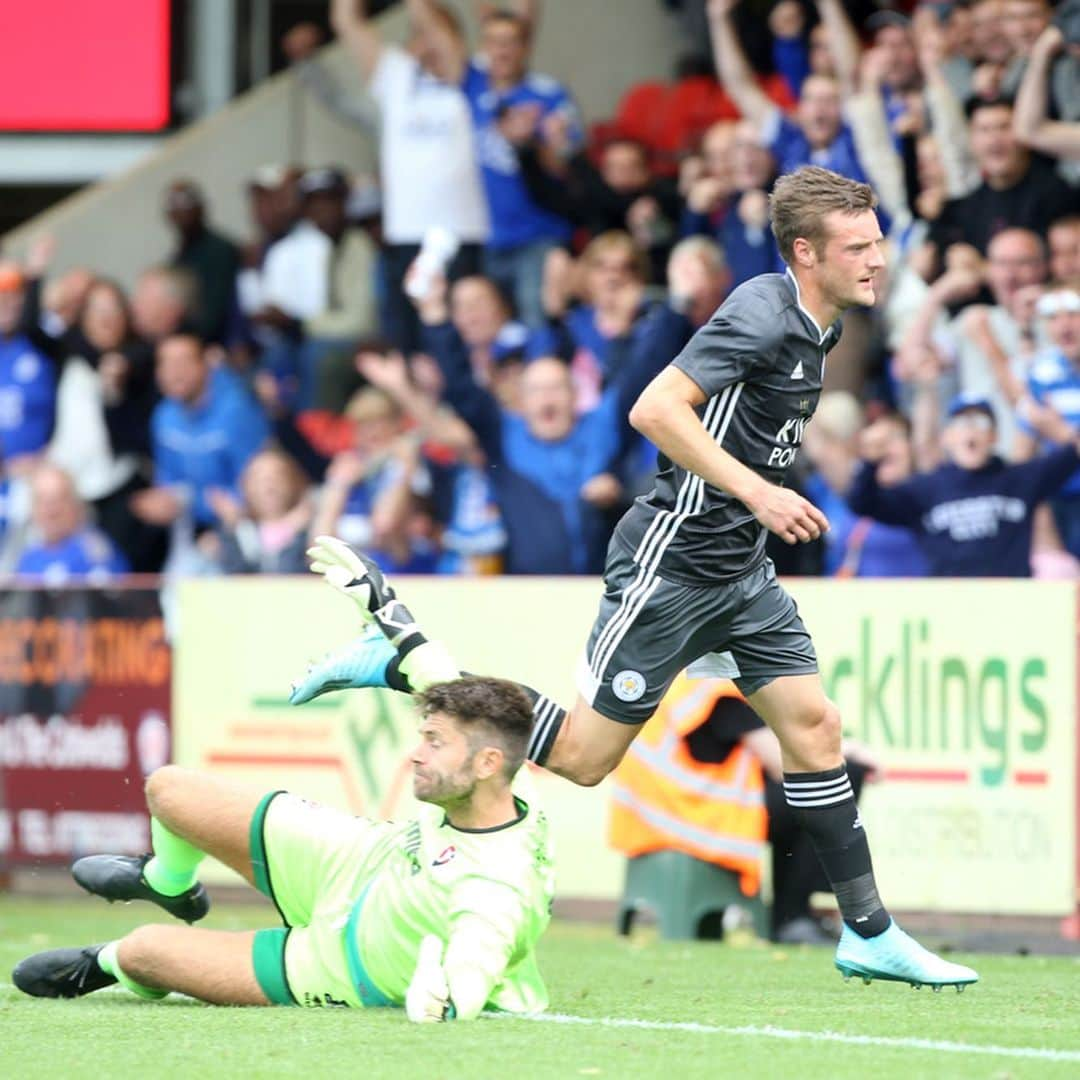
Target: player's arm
{"x": 665, "y": 414}
{"x": 485, "y": 917}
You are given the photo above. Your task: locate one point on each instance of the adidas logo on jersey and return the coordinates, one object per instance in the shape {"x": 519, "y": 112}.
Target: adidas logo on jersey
{"x": 798, "y": 372}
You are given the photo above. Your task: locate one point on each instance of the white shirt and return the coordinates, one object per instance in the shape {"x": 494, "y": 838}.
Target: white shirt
{"x": 295, "y": 275}
{"x": 428, "y": 158}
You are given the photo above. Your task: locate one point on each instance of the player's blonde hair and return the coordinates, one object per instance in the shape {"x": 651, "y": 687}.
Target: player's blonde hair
{"x": 801, "y": 200}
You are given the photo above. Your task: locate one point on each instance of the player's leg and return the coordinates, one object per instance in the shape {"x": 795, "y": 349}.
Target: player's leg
{"x": 583, "y": 745}
{"x": 152, "y": 961}
{"x": 778, "y": 674}
{"x": 212, "y": 965}
{"x": 645, "y": 632}
{"x": 817, "y": 789}
{"x": 208, "y": 815}
{"x": 192, "y": 815}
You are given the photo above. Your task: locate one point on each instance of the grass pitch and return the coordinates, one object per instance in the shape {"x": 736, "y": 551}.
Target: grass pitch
{"x": 638, "y": 1008}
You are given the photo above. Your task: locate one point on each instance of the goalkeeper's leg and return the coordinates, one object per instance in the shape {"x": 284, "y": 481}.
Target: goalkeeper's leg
{"x": 212, "y": 965}
{"x": 192, "y": 815}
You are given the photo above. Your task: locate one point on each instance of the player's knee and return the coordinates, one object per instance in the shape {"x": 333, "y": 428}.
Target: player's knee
{"x": 588, "y": 769}
{"x": 161, "y": 786}
{"x": 822, "y": 723}
{"x": 138, "y": 952}
{"x": 587, "y": 774}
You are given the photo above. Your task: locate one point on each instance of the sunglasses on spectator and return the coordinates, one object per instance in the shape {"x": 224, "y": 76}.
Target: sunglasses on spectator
{"x": 1058, "y": 302}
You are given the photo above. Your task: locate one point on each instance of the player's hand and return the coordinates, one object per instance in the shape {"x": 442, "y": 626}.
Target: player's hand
{"x": 785, "y": 512}
{"x": 342, "y": 570}
{"x": 427, "y": 1001}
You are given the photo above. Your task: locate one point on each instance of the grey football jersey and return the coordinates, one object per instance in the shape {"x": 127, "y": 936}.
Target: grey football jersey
{"x": 760, "y": 359}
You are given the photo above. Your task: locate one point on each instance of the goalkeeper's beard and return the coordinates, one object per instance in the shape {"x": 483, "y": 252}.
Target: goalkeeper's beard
{"x": 447, "y": 791}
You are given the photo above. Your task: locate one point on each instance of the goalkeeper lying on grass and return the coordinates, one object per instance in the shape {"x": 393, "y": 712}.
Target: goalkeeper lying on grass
{"x": 440, "y": 914}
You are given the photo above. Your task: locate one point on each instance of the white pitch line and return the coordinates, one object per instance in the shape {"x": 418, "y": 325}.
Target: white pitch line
{"x": 769, "y": 1032}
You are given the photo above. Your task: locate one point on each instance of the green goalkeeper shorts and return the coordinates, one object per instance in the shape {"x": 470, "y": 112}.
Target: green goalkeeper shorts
{"x": 313, "y": 863}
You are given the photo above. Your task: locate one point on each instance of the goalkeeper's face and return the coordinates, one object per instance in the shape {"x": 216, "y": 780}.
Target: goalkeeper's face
{"x": 446, "y": 767}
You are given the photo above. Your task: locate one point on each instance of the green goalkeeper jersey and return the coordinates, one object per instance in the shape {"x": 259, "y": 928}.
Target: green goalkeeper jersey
{"x": 486, "y": 893}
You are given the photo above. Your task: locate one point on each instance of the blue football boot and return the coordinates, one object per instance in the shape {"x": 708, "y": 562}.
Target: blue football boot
{"x": 895, "y": 956}
{"x": 361, "y": 663}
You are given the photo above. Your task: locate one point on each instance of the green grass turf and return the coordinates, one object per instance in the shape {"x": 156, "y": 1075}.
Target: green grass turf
{"x": 1021, "y": 1002}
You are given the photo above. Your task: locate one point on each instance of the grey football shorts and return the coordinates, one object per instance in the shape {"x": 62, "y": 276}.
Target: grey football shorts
{"x": 649, "y": 629}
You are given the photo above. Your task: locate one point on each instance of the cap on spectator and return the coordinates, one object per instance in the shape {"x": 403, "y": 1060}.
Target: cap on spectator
{"x": 880, "y": 19}
{"x": 1058, "y": 301}
{"x": 326, "y": 181}
{"x": 971, "y": 403}
{"x": 510, "y": 343}
{"x": 11, "y": 278}
{"x": 183, "y": 195}
{"x": 268, "y": 177}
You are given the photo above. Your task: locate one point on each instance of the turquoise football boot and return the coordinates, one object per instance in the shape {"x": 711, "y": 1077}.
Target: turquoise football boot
{"x": 362, "y": 663}
{"x": 895, "y": 956}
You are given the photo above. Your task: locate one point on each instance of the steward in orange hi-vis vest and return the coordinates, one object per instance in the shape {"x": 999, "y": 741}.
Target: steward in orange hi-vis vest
{"x": 665, "y": 799}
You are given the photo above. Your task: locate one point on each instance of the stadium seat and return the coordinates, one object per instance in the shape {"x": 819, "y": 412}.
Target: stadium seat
{"x": 687, "y": 896}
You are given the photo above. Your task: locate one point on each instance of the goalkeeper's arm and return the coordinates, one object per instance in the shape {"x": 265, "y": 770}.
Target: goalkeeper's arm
{"x": 457, "y": 984}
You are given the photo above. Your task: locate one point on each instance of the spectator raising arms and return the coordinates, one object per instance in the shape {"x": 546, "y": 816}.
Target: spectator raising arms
{"x": 1018, "y": 190}
{"x": 511, "y": 105}
{"x": 974, "y": 514}
{"x": 552, "y": 471}
{"x": 818, "y": 134}
{"x": 27, "y": 380}
{"x": 430, "y": 176}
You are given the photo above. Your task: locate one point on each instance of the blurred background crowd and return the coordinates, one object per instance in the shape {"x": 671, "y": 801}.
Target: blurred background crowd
{"x": 437, "y": 364}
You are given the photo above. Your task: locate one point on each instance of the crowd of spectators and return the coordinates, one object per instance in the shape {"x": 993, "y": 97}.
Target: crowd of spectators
{"x": 438, "y": 366}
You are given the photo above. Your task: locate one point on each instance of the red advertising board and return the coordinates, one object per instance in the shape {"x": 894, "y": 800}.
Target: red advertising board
{"x": 68, "y": 65}
{"x": 85, "y": 678}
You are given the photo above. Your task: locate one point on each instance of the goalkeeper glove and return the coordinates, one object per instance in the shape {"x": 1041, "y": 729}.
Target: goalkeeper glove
{"x": 351, "y": 574}
{"x": 427, "y": 1001}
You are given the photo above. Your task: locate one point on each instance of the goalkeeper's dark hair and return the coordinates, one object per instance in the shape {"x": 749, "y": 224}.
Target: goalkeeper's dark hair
{"x": 491, "y": 712}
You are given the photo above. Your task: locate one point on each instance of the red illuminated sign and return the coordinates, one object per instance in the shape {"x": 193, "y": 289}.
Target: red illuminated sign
{"x": 73, "y": 65}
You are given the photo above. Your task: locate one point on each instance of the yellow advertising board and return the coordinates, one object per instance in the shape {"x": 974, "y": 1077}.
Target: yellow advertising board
{"x": 241, "y": 641}
{"x": 966, "y": 691}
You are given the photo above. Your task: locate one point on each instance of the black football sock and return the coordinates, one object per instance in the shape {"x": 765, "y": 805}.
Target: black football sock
{"x": 824, "y": 805}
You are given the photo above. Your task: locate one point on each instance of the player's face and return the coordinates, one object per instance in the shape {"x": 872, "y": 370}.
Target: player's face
{"x": 851, "y": 259}
{"x": 443, "y": 771}
{"x": 969, "y": 439}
